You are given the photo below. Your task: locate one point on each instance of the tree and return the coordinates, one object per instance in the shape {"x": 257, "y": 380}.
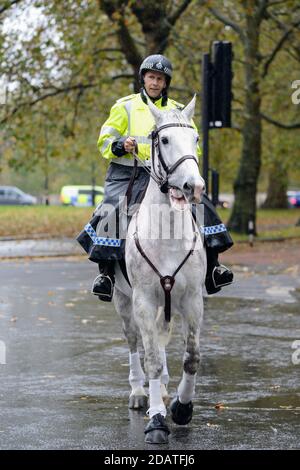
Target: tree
{"x": 246, "y": 21}
{"x": 156, "y": 20}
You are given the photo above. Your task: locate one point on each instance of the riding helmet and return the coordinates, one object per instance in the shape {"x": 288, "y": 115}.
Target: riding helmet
{"x": 157, "y": 63}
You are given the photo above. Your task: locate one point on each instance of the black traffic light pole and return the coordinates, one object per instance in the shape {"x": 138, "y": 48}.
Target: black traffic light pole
{"x": 216, "y": 103}
{"x": 206, "y": 70}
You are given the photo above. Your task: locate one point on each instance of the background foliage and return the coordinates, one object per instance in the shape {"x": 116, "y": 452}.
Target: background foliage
{"x": 65, "y": 62}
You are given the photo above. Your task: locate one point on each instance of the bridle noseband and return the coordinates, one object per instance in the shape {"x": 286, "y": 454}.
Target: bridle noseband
{"x": 162, "y": 181}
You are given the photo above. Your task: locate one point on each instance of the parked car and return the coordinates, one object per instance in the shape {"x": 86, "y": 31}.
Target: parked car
{"x": 293, "y": 198}
{"x": 10, "y": 195}
{"x": 81, "y": 196}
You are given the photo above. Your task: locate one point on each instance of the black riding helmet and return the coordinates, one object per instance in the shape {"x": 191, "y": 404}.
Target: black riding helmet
{"x": 157, "y": 63}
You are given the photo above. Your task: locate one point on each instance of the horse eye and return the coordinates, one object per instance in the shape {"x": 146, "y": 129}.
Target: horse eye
{"x": 165, "y": 140}
{"x": 197, "y": 139}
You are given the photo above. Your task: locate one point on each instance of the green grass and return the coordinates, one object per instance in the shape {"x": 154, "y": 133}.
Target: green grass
{"x": 62, "y": 221}
{"x": 51, "y": 221}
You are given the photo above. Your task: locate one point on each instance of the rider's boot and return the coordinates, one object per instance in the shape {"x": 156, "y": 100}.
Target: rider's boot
{"x": 103, "y": 285}
{"x": 217, "y": 275}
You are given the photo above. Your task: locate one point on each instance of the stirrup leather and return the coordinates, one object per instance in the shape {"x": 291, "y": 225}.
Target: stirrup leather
{"x": 216, "y": 269}
{"x": 102, "y": 276}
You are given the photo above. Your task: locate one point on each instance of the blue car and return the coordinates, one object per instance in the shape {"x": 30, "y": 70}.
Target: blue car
{"x": 293, "y": 198}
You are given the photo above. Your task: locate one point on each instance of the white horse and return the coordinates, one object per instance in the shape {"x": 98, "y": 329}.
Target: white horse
{"x": 154, "y": 262}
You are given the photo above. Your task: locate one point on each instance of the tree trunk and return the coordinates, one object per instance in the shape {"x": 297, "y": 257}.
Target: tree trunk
{"x": 277, "y": 188}
{"x": 155, "y": 22}
{"x": 245, "y": 185}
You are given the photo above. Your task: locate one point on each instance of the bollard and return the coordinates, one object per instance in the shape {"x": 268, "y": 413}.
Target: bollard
{"x": 2, "y": 352}
{"x": 251, "y": 231}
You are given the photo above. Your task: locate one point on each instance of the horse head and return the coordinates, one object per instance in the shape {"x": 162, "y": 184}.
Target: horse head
{"x": 175, "y": 146}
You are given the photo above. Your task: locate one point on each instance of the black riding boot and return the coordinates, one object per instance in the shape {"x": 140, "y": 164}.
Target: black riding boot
{"x": 103, "y": 285}
{"x": 217, "y": 275}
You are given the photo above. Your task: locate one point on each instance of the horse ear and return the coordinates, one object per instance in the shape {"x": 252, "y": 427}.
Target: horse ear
{"x": 189, "y": 110}
{"x": 154, "y": 110}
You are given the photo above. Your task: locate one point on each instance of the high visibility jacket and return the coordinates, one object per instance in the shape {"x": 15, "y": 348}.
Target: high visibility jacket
{"x": 131, "y": 116}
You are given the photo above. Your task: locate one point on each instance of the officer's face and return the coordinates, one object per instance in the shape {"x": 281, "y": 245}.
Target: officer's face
{"x": 154, "y": 83}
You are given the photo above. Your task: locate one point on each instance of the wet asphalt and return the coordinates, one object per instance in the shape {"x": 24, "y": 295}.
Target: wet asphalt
{"x": 65, "y": 381}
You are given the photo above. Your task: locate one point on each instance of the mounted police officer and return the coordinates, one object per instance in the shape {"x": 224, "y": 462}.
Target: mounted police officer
{"x": 127, "y": 130}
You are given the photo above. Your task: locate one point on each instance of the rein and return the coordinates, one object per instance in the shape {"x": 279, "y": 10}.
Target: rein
{"x": 167, "y": 282}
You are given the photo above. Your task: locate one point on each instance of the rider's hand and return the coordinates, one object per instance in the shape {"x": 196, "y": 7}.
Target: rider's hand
{"x": 129, "y": 144}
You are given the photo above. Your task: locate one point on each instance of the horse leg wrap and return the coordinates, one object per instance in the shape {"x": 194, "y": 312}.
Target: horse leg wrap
{"x": 165, "y": 374}
{"x": 186, "y": 389}
{"x": 156, "y": 402}
{"x": 136, "y": 375}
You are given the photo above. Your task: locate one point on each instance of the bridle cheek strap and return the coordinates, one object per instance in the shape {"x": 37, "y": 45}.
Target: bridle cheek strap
{"x": 163, "y": 182}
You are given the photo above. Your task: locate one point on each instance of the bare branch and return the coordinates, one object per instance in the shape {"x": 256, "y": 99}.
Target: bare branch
{"x": 275, "y": 2}
{"x": 174, "y": 17}
{"x": 8, "y": 4}
{"x": 279, "y": 45}
{"x": 227, "y": 21}
{"x": 276, "y": 49}
{"x": 55, "y": 92}
{"x": 280, "y": 124}
{"x": 261, "y": 10}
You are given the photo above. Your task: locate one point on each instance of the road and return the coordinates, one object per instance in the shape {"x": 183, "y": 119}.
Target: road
{"x": 64, "y": 384}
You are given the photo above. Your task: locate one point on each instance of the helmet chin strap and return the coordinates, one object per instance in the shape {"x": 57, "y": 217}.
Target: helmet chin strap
{"x": 163, "y": 96}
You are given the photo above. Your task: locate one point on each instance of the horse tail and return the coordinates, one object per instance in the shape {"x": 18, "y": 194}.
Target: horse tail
{"x": 164, "y": 328}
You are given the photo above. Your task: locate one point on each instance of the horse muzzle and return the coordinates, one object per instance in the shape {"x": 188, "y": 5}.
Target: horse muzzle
{"x": 193, "y": 190}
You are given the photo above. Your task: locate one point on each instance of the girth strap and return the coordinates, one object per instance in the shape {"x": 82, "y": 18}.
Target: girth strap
{"x": 167, "y": 282}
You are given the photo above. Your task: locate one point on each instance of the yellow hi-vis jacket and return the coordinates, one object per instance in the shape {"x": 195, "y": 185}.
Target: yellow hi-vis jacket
{"x": 130, "y": 116}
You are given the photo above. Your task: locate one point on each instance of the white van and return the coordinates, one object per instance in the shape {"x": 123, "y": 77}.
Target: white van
{"x": 81, "y": 196}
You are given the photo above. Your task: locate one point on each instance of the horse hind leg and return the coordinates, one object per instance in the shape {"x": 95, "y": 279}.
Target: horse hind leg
{"x": 138, "y": 397}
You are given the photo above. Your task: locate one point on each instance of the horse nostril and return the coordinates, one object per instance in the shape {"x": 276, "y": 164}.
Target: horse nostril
{"x": 188, "y": 187}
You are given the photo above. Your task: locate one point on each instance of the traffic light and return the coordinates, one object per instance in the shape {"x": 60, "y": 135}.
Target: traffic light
{"x": 221, "y": 82}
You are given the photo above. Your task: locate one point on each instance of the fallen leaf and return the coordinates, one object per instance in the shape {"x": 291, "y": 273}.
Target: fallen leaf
{"x": 219, "y": 406}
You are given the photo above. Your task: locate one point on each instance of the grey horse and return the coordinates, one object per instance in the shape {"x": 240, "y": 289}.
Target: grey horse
{"x": 163, "y": 237}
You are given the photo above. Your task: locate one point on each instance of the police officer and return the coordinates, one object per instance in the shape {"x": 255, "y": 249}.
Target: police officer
{"x": 126, "y": 129}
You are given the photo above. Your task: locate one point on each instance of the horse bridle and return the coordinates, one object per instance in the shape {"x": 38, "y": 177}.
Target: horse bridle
{"x": 163, "y": 181}
{"x": 167, "y": 282}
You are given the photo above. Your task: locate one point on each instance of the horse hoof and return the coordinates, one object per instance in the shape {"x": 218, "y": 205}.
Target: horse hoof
{"x": 157, "y": 436}
{"x": 137, "y": 402}
{"x": 181, "y": 413}
{"x": 157, "y": 430}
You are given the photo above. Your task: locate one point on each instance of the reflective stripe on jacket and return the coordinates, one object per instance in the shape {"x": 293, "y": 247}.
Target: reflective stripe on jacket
{"x": 130, "y": 116}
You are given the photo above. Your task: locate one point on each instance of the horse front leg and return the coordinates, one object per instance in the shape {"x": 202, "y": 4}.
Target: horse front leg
{"x": 181, "y": 407}
{"x": 156, "y": 430}
{"x": 138, "y": 397}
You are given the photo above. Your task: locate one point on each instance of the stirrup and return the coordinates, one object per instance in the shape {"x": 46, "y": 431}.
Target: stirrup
{"x": 106, "y": 296}
{"x": 216, "y": 270}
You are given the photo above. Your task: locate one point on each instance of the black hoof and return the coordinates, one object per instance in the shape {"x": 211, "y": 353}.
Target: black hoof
{"x": 157, "y": 430}
{"x": 181, "y": 413}
{"x": 137, "y": 402}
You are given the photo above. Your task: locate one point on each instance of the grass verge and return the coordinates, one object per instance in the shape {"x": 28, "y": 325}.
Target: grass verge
{"x": 64, "y": 221}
